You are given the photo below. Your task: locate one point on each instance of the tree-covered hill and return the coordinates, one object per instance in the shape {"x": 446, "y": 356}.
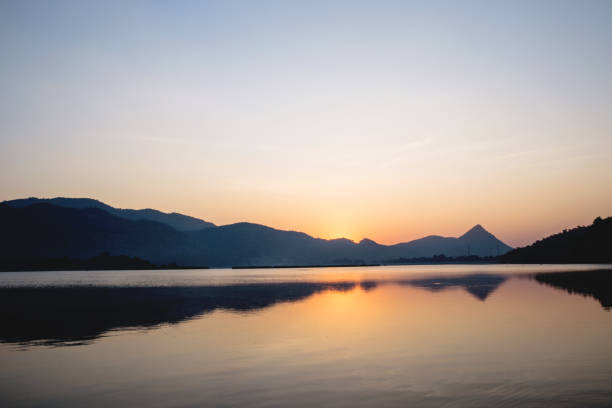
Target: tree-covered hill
{"x": 584, "y": 244}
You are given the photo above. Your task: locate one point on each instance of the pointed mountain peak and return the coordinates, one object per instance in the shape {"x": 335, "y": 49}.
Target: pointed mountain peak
{"x": 367, "y": 241}
{"x": 475, "y": 231}
{"x": 477, "y": 228}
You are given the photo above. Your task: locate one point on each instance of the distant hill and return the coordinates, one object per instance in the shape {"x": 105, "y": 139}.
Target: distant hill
{"x": 590, "y": 244}
{"x": 477, "y": 241}
{"x": 175, "y": 220}
{"x": 46, "y": 230}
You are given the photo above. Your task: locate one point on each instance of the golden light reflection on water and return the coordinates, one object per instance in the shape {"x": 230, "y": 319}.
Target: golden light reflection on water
{"x": 389, "y": 343}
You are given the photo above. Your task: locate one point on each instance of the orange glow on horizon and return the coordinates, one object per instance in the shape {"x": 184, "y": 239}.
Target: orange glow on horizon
{"x": 348, "y": 126}
{"x": 514, "y": 220}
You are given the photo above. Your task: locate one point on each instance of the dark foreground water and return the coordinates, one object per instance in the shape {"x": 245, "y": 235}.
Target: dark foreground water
{"x": 430, "y": 336}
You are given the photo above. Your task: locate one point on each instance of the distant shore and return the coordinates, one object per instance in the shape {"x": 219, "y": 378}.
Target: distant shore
{"x": 302, "y": 266}
{"x": 102, "y": 262}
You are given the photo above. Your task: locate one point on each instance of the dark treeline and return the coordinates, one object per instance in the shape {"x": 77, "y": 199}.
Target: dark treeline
{"x": 104, "y": 261}
{"x": 584, "y": 244}
{"x": 442, "y": 259}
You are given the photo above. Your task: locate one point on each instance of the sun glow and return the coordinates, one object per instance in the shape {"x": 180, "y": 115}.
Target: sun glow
{"x": 434, "y": 132}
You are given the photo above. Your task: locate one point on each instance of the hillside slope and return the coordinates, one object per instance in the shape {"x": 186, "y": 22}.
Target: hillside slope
{"x": 177, "y": 221}
{"x": 46, "y": 230}
{"x": 590, "y": 244}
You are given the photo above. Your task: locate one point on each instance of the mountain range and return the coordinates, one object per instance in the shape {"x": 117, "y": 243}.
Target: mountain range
{"x": 177, "y": 221}
{"x": 83, "y": 228}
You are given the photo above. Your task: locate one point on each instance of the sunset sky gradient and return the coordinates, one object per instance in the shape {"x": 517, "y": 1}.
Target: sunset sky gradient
{"x": 389, "y": 120}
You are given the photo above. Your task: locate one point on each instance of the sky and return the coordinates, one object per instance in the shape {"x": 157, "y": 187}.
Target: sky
{"x": 390, "y": 120}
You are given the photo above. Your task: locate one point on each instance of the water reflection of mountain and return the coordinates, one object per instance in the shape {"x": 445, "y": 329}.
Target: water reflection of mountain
{"x": 368, "y": 285}
{"x": 597, "y": 284}
{"x": 480, "y": 286}
{"x": 76, "y": 315}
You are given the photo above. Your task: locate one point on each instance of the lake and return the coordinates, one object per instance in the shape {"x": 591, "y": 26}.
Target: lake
{"x": 421, "y": 335}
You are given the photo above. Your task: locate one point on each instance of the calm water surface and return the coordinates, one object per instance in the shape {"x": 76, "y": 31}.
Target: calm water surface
{"x": 453, "y": 336}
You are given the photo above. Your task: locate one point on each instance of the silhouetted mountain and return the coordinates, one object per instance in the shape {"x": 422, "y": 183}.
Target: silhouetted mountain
{"x": 591, "y": 244}
{"x": 47, "y": 230}
{"x": 477, "y": 241}
{"x": 480, "y": 241}
{"x": 175, "y": 220}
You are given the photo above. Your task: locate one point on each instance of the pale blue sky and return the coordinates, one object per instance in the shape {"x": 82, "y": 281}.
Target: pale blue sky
{"x": 383, "y": 119}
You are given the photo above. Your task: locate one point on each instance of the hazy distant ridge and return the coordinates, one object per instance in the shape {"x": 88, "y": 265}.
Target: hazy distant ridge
{"x": 43, "y": 228}
{"x": 175, "y": 220}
